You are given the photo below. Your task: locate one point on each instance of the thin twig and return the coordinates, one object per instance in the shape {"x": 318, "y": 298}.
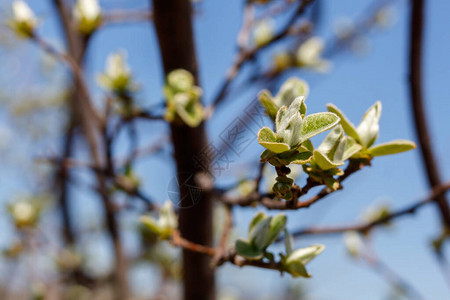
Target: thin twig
{"x": 418, "y": 107}
{"x": 220, "y": 249}
{"x": 124, "y": 16}
{"x": 270, "y": 200}
{"x": 177, "y": 240}
{"x": 366, "y": 227}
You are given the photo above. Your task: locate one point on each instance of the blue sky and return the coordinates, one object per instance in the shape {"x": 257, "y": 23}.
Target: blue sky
{"x": 354, "y": 84}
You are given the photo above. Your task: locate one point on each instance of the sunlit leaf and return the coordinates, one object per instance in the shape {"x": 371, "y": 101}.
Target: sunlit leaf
{"x": 306, "y": 146}
{"x": 266, "y": 100}
{"x": 317, "y": 123}
{"x": 324, "y": 162}
{"x": 393, "y": 147}
{"x": 296, "y": 261}
{"x": 305, "y": 255}
{"x": 291, "y": 89}
{"x": 331, "y": 141}
{"x": 346, "y": 148}
{"x": 369, "y": 127}
{"x": 293, "y": 131}
{"x": 297, "y": 269}
{"x": 286, "y": 116}
{"x": 348, "y": 126}
{"x": 268, "y": 139}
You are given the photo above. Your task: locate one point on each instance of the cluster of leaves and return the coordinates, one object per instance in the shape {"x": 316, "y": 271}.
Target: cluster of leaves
{"x": 290, "y": 143}
{"x": 262, "y": 232}
{"x": 367, "y": 132}
{"x": 183, "y": 98}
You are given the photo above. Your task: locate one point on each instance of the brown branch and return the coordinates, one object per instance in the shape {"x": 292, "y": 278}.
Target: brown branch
{"x": 177, "y": 240}
{"x": 435, "y": 192}
{"x": 418, "y": 107}
{"x": 61, "y": 180}
{"x": 77, "y": 48}
{"x": 132, "y": 190}
{"x": 230, "y": 257}
{"x": 274, "y": 10}
{"x": 244, "y": 32}
{"x": 119, "y": 181}
{"x": 92, "y": 124}
{"x": 220, "y": 249}
{"x": 260, "y": 176}
{"x": 173, "y": 25}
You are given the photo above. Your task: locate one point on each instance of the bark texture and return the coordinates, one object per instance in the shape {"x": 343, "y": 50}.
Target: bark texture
{"x": 173, "y": 23}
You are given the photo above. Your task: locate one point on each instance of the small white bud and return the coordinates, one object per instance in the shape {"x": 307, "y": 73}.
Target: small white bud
{"x": 24, "y": 21}
{"x": 309, "y": 55}
{"x": 263, "y": 33}
{"x": 117, "y": 75}
{"x": 87, "y": 13}
{"x": 354, "y": 243}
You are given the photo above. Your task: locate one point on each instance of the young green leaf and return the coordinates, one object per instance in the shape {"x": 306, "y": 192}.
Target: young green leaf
{"x": 297, "y": 269}
{"x": 324, "y": 162}
{"x": 291, "y": 89}
{"x": 191, "y": 114}
{"x": 286, "y": 116}
{"x": 266, "y": 100}
{"x": 260, "y": 234}
{"x": 248, "y": 250}
{"x": 393, "y": 147}
{"x": 306, "y": 146}
{"x": 346, "y": 148}
{"x": 317, "y": 123}
{"x": 151, "y": 224}
{"x": 305, "y": 255}
{"x": 369, "y": 127}
{"x": 296, "y": 261}
{"x": 256, "y": 219}
{"x": 331, "y": 141}
{"x": 301, "y": 158}
{"x": 292, "y": 134}
{"x": 268, "y": 139}
{"x": 277, "y": 225}
{"x": 348, "y": 126}
{"x": 279, "y": 126}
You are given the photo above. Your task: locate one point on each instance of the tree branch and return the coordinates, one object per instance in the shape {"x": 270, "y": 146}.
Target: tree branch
{"x": 436, "y": 192}
{"x": 418, "y": 107}
{"x": 173, "y": 24}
